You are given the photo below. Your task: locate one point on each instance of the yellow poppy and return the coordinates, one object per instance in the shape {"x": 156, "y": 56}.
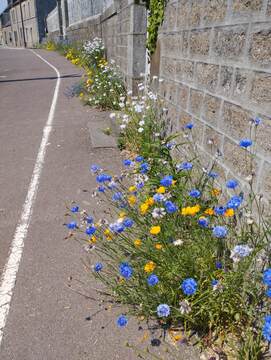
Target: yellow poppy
{"x": 155, "y": 230}
{"x": 149, "y": 267}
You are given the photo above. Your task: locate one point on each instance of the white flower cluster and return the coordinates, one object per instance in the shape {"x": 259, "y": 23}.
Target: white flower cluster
{"x": 93, "y": 48}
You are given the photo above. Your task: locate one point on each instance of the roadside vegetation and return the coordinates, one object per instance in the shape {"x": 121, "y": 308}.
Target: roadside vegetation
{"x": 101, "y": 85}
{"x": 181, "y": 246}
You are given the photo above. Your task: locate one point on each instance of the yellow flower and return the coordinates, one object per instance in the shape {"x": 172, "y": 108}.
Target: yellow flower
{"x": 137, "y": 242}
{"x": 209, "y": 211}
{"x": 122, "y": 214}
{"x": 155, "y": 230}
{"x": 132, "y": 188}
{"x": 216, "y": 192}
{"x": 81, "y": 95}
{"x": 144, "y": 208}
{"x": 132, "y": 200}
{"x": 174, "y": 182}
{"x": 149, "y": 267}
{"x": 93, "y": 240}
{"x": 229, "y": 213}
{"x": 190, "y": 210}
{"x": 161, "y": 190}
{"x": 158, "y": 246}
{"x": 149, "y": 201}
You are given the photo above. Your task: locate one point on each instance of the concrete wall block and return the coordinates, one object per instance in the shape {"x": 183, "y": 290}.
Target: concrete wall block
{"x": 241, "y": 84}
{"x": 235, "y": 121}
{"x": 185, "y": 70}
{"x": 183, "y": 12}
{"x": 260, "y": 46}
{"x": 196, "y": 10}
{"x": 167, "y": 68}
{"x": 207, "y": 75}
{"x": 196, "y": 101}
{"x": 261, "y": 90}
{"x": 211, "y": 108}
{"x": 200, "y": 42}
{"x": 229, "y": 42}
{"x": 215, "y": 11}
{"x": 238, "y": 159}
{"x": 225, "y": 80}
{"x": 246, "y": 6}
{"x": 212, "y": 141}
{"x": 263, "y": 136}
{"x": 182, "y": 96}
{"x": 265, "y": 183}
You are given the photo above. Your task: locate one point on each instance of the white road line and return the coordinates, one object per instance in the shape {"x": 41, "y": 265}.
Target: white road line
{"x": 8, "y": 278}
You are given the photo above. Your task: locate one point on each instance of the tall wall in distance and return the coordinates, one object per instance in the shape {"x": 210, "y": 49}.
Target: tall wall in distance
{"x": 215, "y": 58}
{"x": 120, "y": 23}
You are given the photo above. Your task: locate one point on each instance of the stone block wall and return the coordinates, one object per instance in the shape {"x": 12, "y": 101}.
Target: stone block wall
{"x": 215, "y": 59}
{"x": 120, "y": 23}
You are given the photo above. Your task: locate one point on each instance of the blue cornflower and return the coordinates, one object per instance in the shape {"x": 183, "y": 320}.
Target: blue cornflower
{"x": 75, "y": 209}
{"x": 89, "y": 219}
{"x": 98, "y": 267}
{"x": 245, "y": 143}
{"x": 153, "y": 280}
{"x": 140, "y": 185}
{"x": 195, "y": 193}
{"x": 144, "y": 168}
{"x": 95, "y": 168}
{"x": 267, "y": 277}
{"x": 218, "y": 265}
{"x": 220, "y": 210}
{"x": 122, "y": 321}
{"x": 128, "y": 162}
{"x": 268, "y": 292}
{"x": 170, "y": 145}
{"x": 72, "y": 225}
{"x": 189, "y": 286}
{"x": 101, "y": 178}
{"x": 117, "y": 196}
{"x": 117, "y": 227}
{"x": 266, "y": 330}
{"x": 234, "y": 202}
{"x": 257, "y": 121}
{"x": 139, "y": 158}
{"x": 125, "y": 270}
{"x": 101, "y": 189}
{"x": 90, "y": 230}
{"x": 214, "y": 282}
{"x": 167, "y": 180}
{"x": 232, "y": 184}
{"x": 220, "y": 231}
{"x": 128, "y": 222}
{"x": 158, "y": 197}
{"x": 189, "y": 126}
{"x": 163, "y": 310}
{"x": 203, "y": 222}
{"x": 213, "y": 174}
{"x": 170, "y": 207}
{"x": 184, "y": 166}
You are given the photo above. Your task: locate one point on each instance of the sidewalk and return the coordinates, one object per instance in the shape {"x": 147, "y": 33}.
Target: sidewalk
{"x": 47, "y": 320}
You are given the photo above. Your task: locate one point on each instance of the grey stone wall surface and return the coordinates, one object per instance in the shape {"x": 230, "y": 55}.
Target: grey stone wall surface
{"x": 122, "y": 26}
{"x": 215, "y": 59}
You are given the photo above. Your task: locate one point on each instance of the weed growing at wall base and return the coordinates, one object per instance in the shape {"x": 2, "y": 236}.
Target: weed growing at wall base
{"x": 178, "y": 247}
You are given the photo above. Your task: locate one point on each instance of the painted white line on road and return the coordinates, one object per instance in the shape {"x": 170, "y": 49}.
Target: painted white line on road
{"x": 9, "y": 275}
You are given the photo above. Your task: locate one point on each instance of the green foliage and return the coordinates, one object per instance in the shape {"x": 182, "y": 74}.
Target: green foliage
{"x": 156, "y": 10}
{"x": 174, "y": 245}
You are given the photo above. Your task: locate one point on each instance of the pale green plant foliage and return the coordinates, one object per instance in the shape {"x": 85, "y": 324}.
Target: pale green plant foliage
{"x": 231, "y": 312}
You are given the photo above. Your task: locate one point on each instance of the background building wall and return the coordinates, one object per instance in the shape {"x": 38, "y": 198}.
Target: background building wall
{"x": 215, "y": 57}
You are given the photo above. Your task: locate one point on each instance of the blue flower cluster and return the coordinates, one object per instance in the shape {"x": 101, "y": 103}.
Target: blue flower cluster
{"x": 125, "y": 270}
{"x": 163, "y": 310}
{"x": 220, "y": 232}
{"x": 170, "y": 207}
{"x": 153, "y": 280}
{"x": 189, "y": 286}
{"x": 166, "y": 181}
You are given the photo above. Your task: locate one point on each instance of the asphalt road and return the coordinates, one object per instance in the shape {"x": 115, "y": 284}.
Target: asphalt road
{"x": 48, "y": 321}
